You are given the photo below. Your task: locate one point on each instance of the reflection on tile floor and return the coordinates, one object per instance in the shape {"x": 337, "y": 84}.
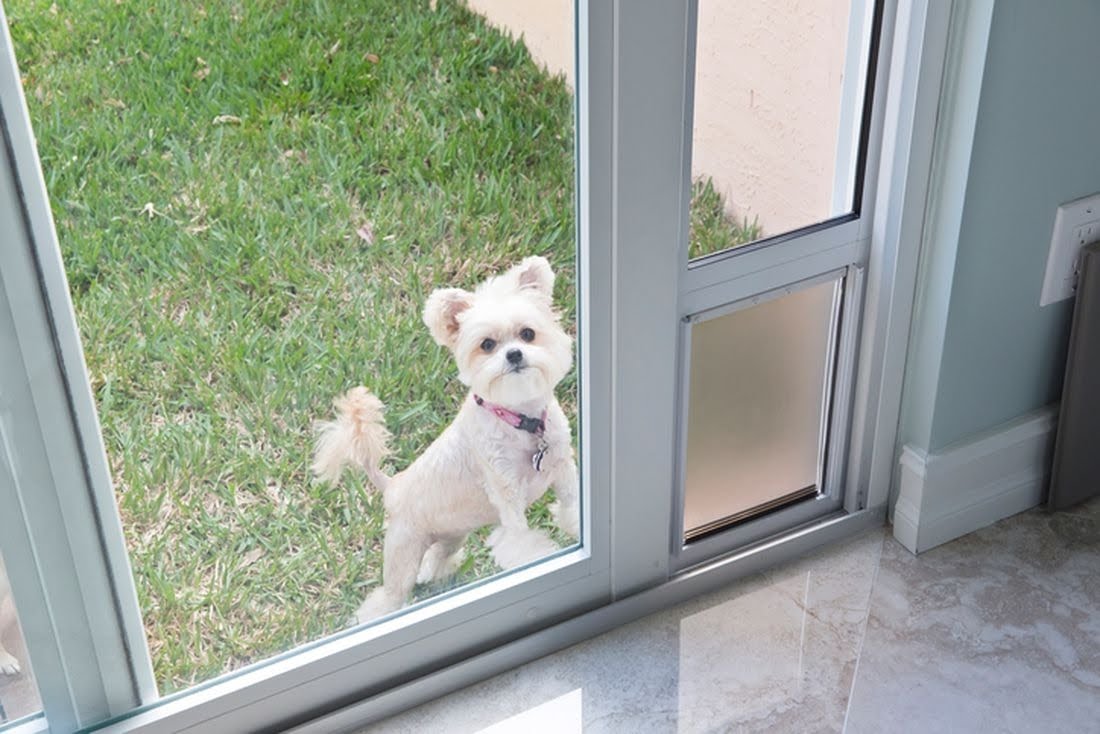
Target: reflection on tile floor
{"x": 998, "y": 631}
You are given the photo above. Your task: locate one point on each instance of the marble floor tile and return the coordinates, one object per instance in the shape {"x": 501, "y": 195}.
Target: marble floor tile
{"x": 774, "y": 652}
{"x": 998, "y": 631}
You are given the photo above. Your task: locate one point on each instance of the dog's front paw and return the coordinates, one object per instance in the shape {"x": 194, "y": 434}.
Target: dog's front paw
{"x": 8, "y": 664}
{"x": 514, "y": 547}
{"x": 567, "y": 517}
{"x": 379, "y": 603}
{"x": 438, "y": 565}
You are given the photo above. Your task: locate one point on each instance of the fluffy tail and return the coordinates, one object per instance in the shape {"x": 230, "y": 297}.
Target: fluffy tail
{"x": 357, "y": 436}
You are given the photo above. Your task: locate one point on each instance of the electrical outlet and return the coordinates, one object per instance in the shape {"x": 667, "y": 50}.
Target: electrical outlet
{"x": 1075, "y": 225}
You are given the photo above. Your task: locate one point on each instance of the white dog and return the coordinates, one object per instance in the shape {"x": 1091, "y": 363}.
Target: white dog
{"x": 8, "y": 664}
{"x": 509, "y": 443}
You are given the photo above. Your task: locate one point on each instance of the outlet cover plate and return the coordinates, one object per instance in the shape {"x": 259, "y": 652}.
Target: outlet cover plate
{"x": 1075, "y": 225}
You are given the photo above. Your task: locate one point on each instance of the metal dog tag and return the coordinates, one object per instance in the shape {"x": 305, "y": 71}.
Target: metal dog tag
{"x": 539, "y": 455}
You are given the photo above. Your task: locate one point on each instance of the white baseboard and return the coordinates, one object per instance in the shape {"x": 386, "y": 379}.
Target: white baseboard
{"x": 974, "y": 483}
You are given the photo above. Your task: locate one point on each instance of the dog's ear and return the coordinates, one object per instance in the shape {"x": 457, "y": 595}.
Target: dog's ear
{"x": 441, "y": 314}
{"x": 534, "y": 273}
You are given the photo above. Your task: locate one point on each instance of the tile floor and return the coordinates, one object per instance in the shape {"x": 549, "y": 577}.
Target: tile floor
{"x": 998, "y": 631}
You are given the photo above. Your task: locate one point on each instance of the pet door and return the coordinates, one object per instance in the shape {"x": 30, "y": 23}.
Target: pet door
{"x": 760, "y": 384}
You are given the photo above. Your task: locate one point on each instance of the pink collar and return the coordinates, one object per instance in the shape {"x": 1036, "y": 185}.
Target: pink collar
{"x": 514, "y": 419}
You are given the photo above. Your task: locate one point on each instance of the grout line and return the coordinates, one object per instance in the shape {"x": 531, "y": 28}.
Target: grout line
{"x": 863, "y": 632}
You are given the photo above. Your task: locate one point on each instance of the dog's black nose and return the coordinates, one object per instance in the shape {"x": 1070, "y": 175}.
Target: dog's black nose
{"x": 514, "y": 356}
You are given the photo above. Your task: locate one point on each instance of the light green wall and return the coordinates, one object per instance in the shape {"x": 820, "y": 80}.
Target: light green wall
{"x": 1036, "y": 144}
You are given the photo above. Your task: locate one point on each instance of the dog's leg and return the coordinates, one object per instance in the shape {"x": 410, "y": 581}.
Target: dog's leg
{"x": 441, "y": 560}
{"x": 514, "y": 543}
{"x": 513, "y": 547}
{"x": 402, "y": 552}
{"x": 8, "y": 664}
{"x": 566, "y": 508}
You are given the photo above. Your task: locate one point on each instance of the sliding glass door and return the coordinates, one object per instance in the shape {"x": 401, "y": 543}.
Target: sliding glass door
{"x": 606, "y": 308}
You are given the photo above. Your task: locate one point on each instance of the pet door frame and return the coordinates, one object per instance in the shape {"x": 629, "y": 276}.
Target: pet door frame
{"x": 836, "y": 248}
{"x": 633, "y": 139}
{"x": 831, "y": 497}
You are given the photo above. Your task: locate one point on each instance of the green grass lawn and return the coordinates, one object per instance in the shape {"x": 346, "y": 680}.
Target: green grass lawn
{"x": 712, "y": 229}
{"x": 253, "y": 200}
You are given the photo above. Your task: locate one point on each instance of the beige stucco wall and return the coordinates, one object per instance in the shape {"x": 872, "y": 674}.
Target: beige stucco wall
{"x": 767, "y": 96}
{"x": 767, "y": 103}
{"x": 545, "y": 25}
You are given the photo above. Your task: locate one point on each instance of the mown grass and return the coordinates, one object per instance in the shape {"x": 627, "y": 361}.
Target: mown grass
{"x": 712, "y": 228}
{"x": 253, "y": 201}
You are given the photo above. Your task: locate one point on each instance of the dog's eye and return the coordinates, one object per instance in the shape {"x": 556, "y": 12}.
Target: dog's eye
{"x": 488, "y": 345}
{"x": 527, "y": 334}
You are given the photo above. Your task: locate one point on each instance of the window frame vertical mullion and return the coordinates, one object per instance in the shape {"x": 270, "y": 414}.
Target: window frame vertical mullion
{"x": 650, "y": 136}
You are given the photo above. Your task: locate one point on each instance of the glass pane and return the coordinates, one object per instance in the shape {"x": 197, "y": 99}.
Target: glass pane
{"x": 18, "y": 692}
{"x": 759, "y": 396}
{"x": 256, "y": 203}
{"x": 778, "y": 107}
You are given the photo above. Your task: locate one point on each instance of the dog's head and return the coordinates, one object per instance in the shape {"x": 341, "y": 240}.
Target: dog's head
{"x": 506, "y": 337}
